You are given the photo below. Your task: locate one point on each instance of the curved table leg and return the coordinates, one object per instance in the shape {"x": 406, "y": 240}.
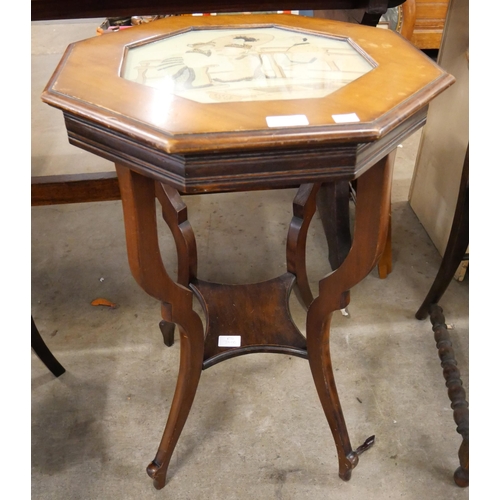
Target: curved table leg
{"x": 191, "y": 363}
{"x": 138, "y": 199}
{"x": 455, "y": 248}
{"x": 318, "y": 348}
{"x": 304, "y": 207}
{"x": 43, "y": 352}
{"x": 372, "y": 214}
{"x": 174, "y": 212}
{"x": 333, "y": 207}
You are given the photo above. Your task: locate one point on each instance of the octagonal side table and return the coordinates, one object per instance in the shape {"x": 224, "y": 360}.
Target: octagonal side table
{"x": 242, "y": 103}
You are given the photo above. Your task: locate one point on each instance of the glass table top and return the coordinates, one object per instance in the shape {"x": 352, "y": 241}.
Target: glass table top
{"x": 246, "y": 64}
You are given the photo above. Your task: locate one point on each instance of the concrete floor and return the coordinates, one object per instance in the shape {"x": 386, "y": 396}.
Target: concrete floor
{"x": 256, "y": 429}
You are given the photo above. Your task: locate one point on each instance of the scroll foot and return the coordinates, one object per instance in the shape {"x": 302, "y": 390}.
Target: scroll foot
{"x": 345, "y": 470}
{"x": 158, "y": 476}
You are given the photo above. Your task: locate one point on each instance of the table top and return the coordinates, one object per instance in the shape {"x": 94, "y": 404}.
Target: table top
{"x": 187, "y": 86}
{"x": 246, "y": 64}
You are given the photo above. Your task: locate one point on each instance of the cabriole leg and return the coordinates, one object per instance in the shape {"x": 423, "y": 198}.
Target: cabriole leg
{"x": 191, "y": 363}
{"x": 138, "y": 199}
{"x": 370, "y": 233}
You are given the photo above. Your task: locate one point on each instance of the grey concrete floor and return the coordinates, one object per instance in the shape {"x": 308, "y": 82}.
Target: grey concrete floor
{"x": 256, "y": 429}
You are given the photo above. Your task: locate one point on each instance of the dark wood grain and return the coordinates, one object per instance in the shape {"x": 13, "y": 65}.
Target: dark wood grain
{"x": 333, "y": 206}
{"x": 194, "y": 172}
{"x": 74, "y": 188}
{"x": 167, "y": 329}
{"x": 456, "y": 391}
{"x": 258, "y": 312}
{"x": 60, "y": 9}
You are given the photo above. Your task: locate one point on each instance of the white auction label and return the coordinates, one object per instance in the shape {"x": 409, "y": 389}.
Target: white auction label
{"x": 286, "y": 120}
{"x": 346, "y": 118}
{"x": 229, "y": 340}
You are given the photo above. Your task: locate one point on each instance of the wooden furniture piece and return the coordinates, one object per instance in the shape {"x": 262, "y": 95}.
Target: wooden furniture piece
{"x": 424, "y": 24}
{"x": 333, "y": 201}
{"x": 399, "y": 16}
{"x": 405, "y": 18}
{"x": 241, "y": 103}
{"x": 445, "y": 138}
{"x": 430, "y": 17}
{"x": 455, "y": 250}
{"x": 43, "y": 352}
{"x": 78, "y": 187}
{"x": 60, "y": 9}
{"x": 439, "y": 196}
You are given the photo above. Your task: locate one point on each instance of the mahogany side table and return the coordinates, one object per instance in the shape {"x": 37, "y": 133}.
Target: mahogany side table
{"x": 241, "y": 103}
